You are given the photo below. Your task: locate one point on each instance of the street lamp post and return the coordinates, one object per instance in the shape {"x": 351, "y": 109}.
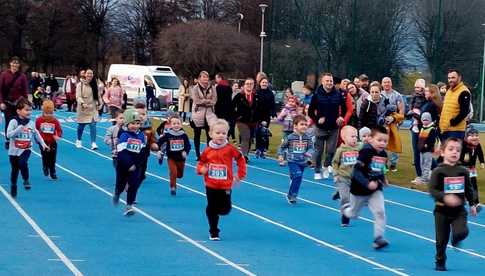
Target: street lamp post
{"x": 262, "y": 35}
{"x": 240, "y": 17}
{"x": 483, "y": 80}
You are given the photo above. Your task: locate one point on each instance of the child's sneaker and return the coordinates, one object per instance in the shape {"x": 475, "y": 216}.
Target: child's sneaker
{"x": 440, "y": 266}
{"x": 94, "y": 146}
{"x": 258, "y": 154}
{"x": 326, "y": 173}
{"x": 173, "y": 191}
{"x": 129, "y": 211}
{"x": 379, "y": 243}
{"x": 27, "y": 185}
{"x": 317, "y": 176}
{"x": 344, "y": 221}
{"x": 79, "y": 144}
{"x": 330, "y": 169}
{"x": 290, "y": 199}
{"x": 13, "y": 191}
{"x": 214, "y": 237}
{"x": 393, "y": 168}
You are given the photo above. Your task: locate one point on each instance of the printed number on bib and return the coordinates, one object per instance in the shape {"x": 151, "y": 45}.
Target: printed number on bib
{"x": 133, "y": 145}
{"x": 23, "y": 139}
{"x": 473, "y": 172}
{"x": 378, "y": 164}
{"x": 217, "y": 171}
{"x": 47, "y": 128}
{"x": 454, "y": 185}
{"x": 349, "y": 158}
{"x": 176, "y": 145}
{"x": 299, "y": 147}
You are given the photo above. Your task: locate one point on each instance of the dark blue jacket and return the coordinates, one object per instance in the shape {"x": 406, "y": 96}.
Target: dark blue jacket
{"x": 370, "y": 166}
{"x": 129, "y": 148}
{"x": 173, "y": 143}
{"x": 328, "y": 105}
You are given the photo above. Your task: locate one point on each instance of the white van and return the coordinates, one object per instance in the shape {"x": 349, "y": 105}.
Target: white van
{"x": 133, "y": 78}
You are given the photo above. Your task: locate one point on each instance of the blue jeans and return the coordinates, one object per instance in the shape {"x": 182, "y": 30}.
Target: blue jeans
{"x": 92, "y": 130}
{"x": 455, "y": 134}
{"x": 416, "y": 157}
{"x": 296, "y": 176}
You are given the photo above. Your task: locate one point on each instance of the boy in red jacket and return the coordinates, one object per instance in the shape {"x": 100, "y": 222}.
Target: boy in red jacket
{"x": 216, "y": 166}
{"x": 50, "y": 130}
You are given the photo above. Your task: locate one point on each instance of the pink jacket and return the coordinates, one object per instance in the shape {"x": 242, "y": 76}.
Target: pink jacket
{"x": 114, "y": 97}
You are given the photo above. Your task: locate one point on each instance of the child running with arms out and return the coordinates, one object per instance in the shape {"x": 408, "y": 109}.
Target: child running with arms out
{"x": 343, "y": 161}
{"x": 449, "y": 186}
{"x": 111, "y": 135}
{"x": 175, "y": 144}
{"x": 216, "y": 164}
{"x": 128, "y": 170}
{"x": 22, "y": 132}
{"x": 298, "y": 149}
{"x": 368, "y": 179}
{"x": 50, "y": 130}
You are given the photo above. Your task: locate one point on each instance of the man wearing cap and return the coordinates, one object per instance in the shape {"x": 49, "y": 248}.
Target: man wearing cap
{"x": 364, "y": 82}
{"x": 456, "y": 107}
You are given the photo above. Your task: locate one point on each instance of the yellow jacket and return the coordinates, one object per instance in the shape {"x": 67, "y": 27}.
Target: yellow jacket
{"x": 394, "y": 144}
{"x": 451, "y": 108}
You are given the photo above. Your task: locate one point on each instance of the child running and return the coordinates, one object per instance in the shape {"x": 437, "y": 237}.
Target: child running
{"x": 449, "y": 186}
{"x": 472, "y": 150}
{"x": 368, "y": 179}
{"x": 175, "y": 144}
{"x": 216, "y": 164}
{"x": 151, "y": 142}
{"x": 50, "y": 130}
{"x": 128, "y": 169}
{"x": 21, "y": 131}
{"x": 298, "y": 148}
{"x": 111, "y": 135}
{"x": 343, "y": 161}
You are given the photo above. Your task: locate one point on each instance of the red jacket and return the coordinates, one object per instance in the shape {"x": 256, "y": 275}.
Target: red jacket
{"x": 19, "y": 88}
{"x": 48, "y": 127}
{"x": 219, "y": 164}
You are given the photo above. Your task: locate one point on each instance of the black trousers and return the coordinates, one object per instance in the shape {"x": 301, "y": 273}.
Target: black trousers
{"x": 19, "y": 164}
{"x": 9, "y": 113}
{"x": 218, "y": 204}
{"x": 473, "y": 180}
{"x": 446, "y": 223}
{"x": 49, "y": 158}
{"x": 145, "y": 153}
{"x": 123, "y": 176}
{"x": 197, "y": 133}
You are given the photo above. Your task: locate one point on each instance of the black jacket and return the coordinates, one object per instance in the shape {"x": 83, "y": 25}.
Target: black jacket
{"x": 223, "y": 107}
{"x": 267, "y": 108}
{"x": 243, "y": 111}
{"x": 328, "y": 105}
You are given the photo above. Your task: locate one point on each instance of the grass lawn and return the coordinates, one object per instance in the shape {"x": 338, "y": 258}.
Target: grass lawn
{"x": 402, "y": 177}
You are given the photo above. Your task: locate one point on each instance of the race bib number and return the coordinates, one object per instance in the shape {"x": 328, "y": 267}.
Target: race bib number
{"x": 24, "y": 139}
{"x": 349, "y": 158}
{"x": 299, "y": 147}
{"x": 473, "y": 172}
{"x": 47, "y": 128}
{"x": 176, "y": 145}
{"x": 217, "y": 171}
{"x": 454, "y": 185}
{"x": 134, "y": 145}
{"x": 378, "y": 164}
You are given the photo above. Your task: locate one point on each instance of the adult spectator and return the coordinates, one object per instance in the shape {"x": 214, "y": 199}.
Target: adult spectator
{"x": 456, "y": 107}
{"x": 101, "y": 91}
{"x": 82, "y": 75}
{"x": 70, "y": 91}
{"x": 343, "y": 85}
{"x": 358, "y": 95}
{"x": 324, "y": 110}
{"x": 151, "y": 100}
{"x": 414, "y": 114}
{"x": 364, "y": 82}
{"x": 267, "y": 106}
{"x": 246, "y": 115}
{"x": 348, "y": 110}
{"x": 35, "y": 82}
{"x": 114, "y": 97}
{"x": 235, "y": 89}
{"x": 223, "y": 107}
{"x": 204, "y": 98}
{"x": 13, "y": 87}
{"x": 54, "y": 85}
{"x": 433, "y": 103}
{"x": 308, "y": 92}
{"x": 184, "y": 100}
{"x": 259, "y": 76}
{"x": 87, "y": 98}
{"x": 232, "y": 124}
{"x": 394, "y": 145}
{"x": 442, "y": 88}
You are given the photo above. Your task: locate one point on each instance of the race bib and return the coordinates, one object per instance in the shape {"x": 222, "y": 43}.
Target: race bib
{"x": 217, "y": 171}
{"x": 24, "y": 139}
{"x": 176, "y": 145}
{"x": 134, "y": 145}
{"x": 454, "y": 185}
{"x": 349, "y": 158}
{"x": 378, "y": 164}
{"x": 300, "y": 146}
{"x": 473, "y": 172}
{"x": 47, "y": 128}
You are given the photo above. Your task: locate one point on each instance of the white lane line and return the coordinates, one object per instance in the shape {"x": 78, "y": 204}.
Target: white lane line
{"x": 156, "y": 221}
{"x": 313, "y": 203}
{"x": 307, "y": 236}
{"x": 42, "y": 234}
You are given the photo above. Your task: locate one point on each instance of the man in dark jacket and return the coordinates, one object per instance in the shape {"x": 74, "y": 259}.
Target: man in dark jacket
{"x": 325, "y": 110}
{"x": 267, "y": 108}
{"x": 13, "y": 86}
{"x": 223, "y": 108}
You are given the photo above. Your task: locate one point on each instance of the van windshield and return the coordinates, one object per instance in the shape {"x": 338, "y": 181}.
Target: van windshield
{"x": 167, "y": 82}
